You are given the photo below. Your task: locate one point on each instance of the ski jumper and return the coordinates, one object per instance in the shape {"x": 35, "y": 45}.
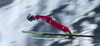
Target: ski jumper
{"x": 54, "y": 23}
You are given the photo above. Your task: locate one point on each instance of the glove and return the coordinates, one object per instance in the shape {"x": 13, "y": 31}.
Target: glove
{"x": 53, "y": 18}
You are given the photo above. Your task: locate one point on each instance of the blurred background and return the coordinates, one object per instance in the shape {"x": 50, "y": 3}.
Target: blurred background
{"x": 80, "y": 16}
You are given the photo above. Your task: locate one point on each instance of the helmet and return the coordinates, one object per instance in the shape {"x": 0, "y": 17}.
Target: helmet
{"x": 29, "y": 17}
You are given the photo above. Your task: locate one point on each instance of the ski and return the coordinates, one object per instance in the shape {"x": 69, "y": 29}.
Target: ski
{"x": 62, "y": 34}
{"x": 56, "y": 39}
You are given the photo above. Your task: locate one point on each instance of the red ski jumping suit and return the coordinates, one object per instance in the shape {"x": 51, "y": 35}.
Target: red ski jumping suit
{"x": 54, "y": 23}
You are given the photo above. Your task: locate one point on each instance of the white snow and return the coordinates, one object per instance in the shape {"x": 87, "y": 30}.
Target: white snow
{"x": 13, "y": 19}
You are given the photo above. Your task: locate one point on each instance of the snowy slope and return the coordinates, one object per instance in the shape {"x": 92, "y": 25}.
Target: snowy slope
{"x": 81, "y": 16}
